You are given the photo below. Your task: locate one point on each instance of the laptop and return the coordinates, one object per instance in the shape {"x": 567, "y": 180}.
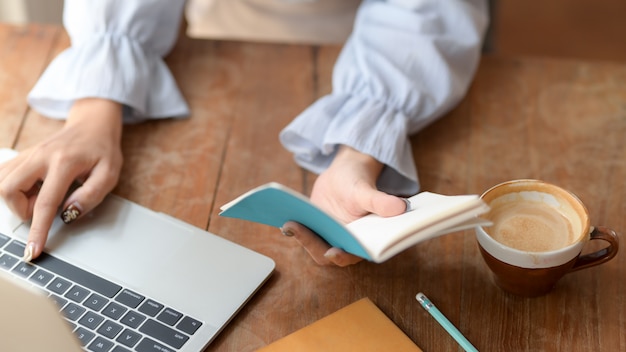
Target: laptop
{"x": 121, "y": 278}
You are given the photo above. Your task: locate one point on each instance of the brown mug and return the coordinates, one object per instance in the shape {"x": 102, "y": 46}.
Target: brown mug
{"x": 537, "y": 235}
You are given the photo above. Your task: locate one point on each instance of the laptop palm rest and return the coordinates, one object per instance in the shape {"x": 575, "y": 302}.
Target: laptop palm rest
{"x": 160, "y": 257}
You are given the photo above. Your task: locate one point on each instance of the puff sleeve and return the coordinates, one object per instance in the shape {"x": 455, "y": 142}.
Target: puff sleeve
{"x": 406, "y": 63}
{"x": 116, "y": 53}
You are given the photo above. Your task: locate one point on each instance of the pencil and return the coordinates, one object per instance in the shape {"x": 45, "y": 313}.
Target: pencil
{"x": 445, "y": 323}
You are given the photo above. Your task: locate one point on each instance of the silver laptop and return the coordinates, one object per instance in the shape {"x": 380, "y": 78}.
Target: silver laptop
{"x": 122, "y": 278}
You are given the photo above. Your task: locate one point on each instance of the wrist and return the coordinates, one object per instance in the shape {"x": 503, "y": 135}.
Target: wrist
{"x": 351, "y": 155}
{"x": 99, "y": 115}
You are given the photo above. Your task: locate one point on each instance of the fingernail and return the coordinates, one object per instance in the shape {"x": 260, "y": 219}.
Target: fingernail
{"x": 28, "y": 252}
{"x": 408, "y": 204}
{"x": 331, "y": 254}
{"x": 71, "y": 213}
{"x": 287, "y": 232}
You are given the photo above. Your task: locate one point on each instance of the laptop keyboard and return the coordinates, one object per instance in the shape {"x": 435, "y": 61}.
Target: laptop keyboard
{"x": 105, "y": 316}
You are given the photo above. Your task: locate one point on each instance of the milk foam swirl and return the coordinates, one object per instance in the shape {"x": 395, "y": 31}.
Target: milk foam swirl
{"x": 530, "y": 226}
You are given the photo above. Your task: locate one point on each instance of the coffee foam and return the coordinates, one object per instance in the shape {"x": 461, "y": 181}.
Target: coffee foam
{"x": 530, "y": 225}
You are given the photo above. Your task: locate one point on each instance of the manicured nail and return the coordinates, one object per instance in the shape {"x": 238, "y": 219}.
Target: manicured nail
{"x": 71, "y": 213}
{"x": 287, "y": 232}
{"x": 28, "y": 252}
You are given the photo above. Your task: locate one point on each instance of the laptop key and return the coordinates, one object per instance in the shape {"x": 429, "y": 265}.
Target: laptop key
{"x": 41, "y": 277}
{"x": 150, "y": 307}
{"x": 24, "y": 269}
{"x": 149, "y": 345}
{"x": 72, "y": 311}
{"x": 3, "y": 239}
{"x": 16, "y": 248}
{"x": 100, "y": 344}
{"x": 129, "y": 298}
{"x": 169, "y": 316}
{"x": 95, "y": 302}
{"x": 120, "y": 349}
{"x": 189, "y": 325}
{"x": 84, "y": 335}
{"x": 91, "y": 320}
{"x": 128, "y": 338}
{"x": 110, "y": 329}
{"x": 59, "y": 285}
{"x": 133, "y": 319}
{"x": 77, "y": 294}
{"x": 164, "y": 333}
{"x": 7, "y": 261}
{"x": 78, "y": 275}
{"x": 114, "y": 310}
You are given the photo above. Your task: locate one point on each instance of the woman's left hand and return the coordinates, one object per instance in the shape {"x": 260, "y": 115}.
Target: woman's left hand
{"x": 347, "y": 190}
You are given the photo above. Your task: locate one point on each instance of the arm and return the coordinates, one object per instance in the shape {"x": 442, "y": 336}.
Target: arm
{"x": 113, "y": 72}
{"x": 406, "y": 64}
{"x": 116, "y": 53}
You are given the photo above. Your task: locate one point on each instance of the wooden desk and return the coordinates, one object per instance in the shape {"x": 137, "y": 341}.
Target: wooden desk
{"x": 561, "y": 121}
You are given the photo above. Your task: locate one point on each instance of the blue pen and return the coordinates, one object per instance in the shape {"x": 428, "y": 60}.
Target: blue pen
{"x": 445, "y": 323}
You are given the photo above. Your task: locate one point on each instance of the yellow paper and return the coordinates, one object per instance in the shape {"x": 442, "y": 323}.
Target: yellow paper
{"x": 361, "y": 326}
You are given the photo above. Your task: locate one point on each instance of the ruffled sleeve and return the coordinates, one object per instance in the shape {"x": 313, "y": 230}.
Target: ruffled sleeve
{"x": 406, "y": 63}
{"x": 117, "y": 49}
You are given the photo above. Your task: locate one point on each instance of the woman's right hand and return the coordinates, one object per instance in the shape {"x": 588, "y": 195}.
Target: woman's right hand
{"x": 87, "y": 150}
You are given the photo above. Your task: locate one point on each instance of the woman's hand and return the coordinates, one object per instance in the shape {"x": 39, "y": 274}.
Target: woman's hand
{"x": 87, "y": 150}
{"x": 347, "y": 190}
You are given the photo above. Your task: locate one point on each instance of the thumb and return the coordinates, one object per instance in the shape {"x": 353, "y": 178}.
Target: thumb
{"x": 381, "y": 203}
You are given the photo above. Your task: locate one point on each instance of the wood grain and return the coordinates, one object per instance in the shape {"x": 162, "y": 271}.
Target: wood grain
{"x": 24, "y": 53}
{"x": 563, "y": 121}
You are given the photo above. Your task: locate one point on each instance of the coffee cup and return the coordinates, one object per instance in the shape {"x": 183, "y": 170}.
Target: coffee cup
{"x": 537, "y": 236}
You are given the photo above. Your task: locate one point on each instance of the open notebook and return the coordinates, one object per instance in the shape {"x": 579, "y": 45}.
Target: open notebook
{"x": 122, "y": 278}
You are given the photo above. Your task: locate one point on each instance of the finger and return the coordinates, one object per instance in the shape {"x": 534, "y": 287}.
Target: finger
{"x": 45, "y": 208}
{"x": 12, "y": 161}
{"x": 87, "y": 196}
{"x": 312, "y": 243}
{"x": 380, "y": 203}
{"x": 6, "y": 167}
{"x": 321, "y": 252}
{"x": 18, "y": 188}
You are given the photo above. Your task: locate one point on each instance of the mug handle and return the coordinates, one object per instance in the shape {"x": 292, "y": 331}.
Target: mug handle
{"x": 600, "y": 256}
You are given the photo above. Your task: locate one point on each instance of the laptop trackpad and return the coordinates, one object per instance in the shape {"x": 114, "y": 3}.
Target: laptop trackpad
{"x": 117, "y": 239}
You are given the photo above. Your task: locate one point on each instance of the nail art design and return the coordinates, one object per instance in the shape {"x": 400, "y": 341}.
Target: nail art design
{"x": 71, "y": 213}
{"x": 287, "y": 232}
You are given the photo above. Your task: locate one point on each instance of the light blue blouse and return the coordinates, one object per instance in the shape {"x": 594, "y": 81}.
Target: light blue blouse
{"x": 406, "y": 64}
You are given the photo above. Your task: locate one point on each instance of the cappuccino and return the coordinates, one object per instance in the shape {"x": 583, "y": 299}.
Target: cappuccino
{"x": 531, "y": 226}
{"x": 537, "y": 235}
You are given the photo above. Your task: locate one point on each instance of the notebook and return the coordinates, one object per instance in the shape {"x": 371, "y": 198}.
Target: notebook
{"x": 122, "y": 278}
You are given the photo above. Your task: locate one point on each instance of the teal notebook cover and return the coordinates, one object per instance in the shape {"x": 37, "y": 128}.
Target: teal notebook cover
{"x": 274, "y": 205}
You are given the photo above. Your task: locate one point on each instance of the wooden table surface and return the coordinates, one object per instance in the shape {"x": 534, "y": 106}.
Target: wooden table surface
{"x": 557, "y": 120}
